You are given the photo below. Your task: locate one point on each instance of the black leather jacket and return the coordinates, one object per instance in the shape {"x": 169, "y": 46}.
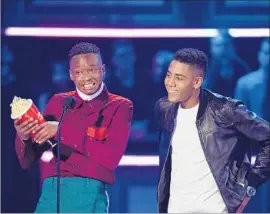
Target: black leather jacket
{"x": 226, "y": 129}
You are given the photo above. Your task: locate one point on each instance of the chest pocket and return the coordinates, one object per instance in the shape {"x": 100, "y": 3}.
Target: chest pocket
{"x": 99, "y": 130}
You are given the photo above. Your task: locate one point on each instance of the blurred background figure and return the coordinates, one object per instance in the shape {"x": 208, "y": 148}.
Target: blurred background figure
{"x": 254, "y": 90}
{"x": 127, "y": 78}
{"x": 8, "y": 89}
{"x": 9, "y": 85}
{"x": 8, "y": 77}
{"x": 59, "y": 83}
{"x": 225, "y": 66}
{"x": 160, "y": 63}
{"x": 14, "y": 180}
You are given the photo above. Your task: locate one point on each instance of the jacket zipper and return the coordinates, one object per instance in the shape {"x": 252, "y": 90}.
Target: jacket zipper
{"x": 174, "y": 121}
{"x": 211, "y": 169}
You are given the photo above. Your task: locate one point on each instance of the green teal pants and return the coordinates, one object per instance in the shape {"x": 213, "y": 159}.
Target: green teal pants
{"x": 77, "y": 195}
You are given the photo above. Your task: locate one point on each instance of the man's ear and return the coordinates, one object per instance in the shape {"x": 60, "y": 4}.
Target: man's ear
{"x": 198, "y": 82}
{"x": 70, "y": 75}
{"x": 103, "y": 67}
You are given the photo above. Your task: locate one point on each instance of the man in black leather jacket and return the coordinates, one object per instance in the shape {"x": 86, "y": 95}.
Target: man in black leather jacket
{"x": 224, "y": 129}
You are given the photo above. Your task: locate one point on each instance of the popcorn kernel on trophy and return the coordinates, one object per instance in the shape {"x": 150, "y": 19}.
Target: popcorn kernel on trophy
{"x": 25, "y": 109}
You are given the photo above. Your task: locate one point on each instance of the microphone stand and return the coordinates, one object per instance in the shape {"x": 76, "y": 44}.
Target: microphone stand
{"x": 58, "y": 156}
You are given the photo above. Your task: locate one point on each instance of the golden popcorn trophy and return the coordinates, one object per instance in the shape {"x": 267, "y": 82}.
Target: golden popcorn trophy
{"x": 26, "y": 109}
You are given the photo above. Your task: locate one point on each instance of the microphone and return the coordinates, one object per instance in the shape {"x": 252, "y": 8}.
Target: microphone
{"x": 68, "y": 103}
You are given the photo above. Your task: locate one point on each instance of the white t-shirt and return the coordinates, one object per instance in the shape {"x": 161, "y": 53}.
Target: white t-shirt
{"x": 193, "y": 188}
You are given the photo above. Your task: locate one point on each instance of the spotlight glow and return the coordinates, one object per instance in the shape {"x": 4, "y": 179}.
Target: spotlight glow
{"x": 139, "y": 160}
{"x": 127, "y": 160}
{"x": 109, "y": 32}
{"x": 131, "y": 32}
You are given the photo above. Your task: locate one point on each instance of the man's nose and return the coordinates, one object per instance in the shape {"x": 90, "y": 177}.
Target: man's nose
{"x": 171, "y": 82}
{"x": 86, "y": 76}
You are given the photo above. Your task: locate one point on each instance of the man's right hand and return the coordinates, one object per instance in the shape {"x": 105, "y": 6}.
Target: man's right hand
{"x": 25, "y": 129}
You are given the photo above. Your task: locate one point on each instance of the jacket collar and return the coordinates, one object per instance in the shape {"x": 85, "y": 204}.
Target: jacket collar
{"x": 204, "y": 100}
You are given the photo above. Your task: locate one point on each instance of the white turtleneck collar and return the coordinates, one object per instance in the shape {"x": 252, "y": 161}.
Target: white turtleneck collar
{"x": 92, "y": 96}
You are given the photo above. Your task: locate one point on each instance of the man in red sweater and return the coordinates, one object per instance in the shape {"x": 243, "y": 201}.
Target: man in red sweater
{"x": 94, "y": 136}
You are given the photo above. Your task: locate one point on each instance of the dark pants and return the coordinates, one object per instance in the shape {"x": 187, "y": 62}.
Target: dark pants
{"x": 77, "y": 195}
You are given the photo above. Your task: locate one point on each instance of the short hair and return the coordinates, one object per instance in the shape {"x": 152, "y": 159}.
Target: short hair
{"x": 83, "y": 48}
{"x": 193, "y": 57}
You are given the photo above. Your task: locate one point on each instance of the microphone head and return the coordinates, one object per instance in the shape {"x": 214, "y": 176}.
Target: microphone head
{"x": 69, "y": 102}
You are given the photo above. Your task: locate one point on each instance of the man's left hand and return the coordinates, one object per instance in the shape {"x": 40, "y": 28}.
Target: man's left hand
{"x": 46, "y": 131}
